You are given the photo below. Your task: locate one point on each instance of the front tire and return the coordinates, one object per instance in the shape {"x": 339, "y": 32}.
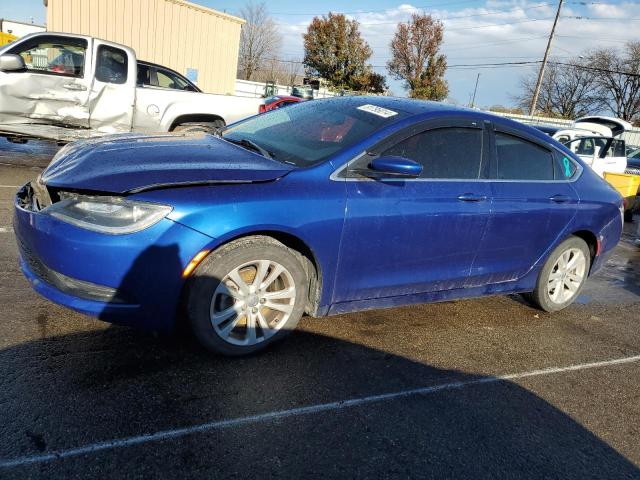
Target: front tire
{"x": 563, "y": 276}
{"x": 247, "y": 295}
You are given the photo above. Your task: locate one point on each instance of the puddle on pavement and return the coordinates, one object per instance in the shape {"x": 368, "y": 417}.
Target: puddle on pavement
{"x": 619, "y": 278}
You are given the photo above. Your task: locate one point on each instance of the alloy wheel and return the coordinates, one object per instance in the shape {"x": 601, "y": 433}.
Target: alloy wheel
{"x": 252, "y": 302}
{"x": 567, "y": 276}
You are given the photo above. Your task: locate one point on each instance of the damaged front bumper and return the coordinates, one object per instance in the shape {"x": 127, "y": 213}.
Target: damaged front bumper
{"x": 133, "y": 279}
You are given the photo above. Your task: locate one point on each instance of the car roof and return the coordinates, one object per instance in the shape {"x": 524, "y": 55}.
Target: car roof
{"x": 414, "y": 107}
{"x": 406, "y": 105}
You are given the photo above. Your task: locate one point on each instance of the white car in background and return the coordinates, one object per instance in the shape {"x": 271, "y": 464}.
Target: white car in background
{"x": 595, "y": 139}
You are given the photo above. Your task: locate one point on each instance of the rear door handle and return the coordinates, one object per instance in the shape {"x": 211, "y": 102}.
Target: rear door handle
{"x": 471, "y": 197}
{"x": 74, "y": 86}
{"x": 560, "y": 198}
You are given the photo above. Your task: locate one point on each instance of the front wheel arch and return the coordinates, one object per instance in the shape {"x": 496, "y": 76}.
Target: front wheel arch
{"x": 311, "y": 263}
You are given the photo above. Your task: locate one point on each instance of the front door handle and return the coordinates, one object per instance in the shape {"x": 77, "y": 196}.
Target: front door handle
{"x": 560, "y": 198}
{"x": 74, "y": 86}
{"x": 471, "y": 197}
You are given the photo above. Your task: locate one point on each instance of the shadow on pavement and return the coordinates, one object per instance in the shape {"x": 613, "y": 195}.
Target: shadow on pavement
{"x": 65, "y": 392}
{"x": 69, "y": 391}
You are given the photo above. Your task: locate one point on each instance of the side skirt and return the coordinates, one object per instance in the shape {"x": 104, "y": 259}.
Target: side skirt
{"x": 522, "y": 285}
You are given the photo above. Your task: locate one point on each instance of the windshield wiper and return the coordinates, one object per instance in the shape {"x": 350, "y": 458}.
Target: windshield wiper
{"x": 249, "y": 145}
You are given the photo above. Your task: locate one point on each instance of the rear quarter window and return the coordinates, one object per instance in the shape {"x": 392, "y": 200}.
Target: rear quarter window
{"x": 566, "y": 168}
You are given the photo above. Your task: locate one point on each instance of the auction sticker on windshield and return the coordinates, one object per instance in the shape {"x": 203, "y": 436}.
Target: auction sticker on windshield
{"x": 381, "y": 112}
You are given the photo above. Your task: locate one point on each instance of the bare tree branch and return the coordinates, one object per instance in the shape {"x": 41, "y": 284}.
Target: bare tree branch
{"x": 260, "y": 40}
{"x": 618, "y": 92}
{"x": 567, "y": 91}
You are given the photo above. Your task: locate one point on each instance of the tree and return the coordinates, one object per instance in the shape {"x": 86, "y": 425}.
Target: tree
{"x": 292, "y": 72}
{"x": 335, "y": 51}
{"x": 260, "y": 40}
{"x": 373, "y": 82}
{"x": 618, "y": 91}
{"x": 415, "y": 58}
{"x": 568, "y": 90}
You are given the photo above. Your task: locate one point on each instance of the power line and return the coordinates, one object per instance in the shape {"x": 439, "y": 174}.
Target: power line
{"x": 597, "y": 69}
{"x": 503, "y": 65}
{"x": 601, "y": 19}
{"x": 600, "y": 39}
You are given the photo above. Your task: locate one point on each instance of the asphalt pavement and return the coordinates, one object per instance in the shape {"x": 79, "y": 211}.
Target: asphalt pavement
{"x": 484, "y": 388}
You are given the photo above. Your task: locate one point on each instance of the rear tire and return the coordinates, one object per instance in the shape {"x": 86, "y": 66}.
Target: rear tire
{"x": 563, "y": 276}
{"x": 205, "y": 127}
{"x": 246, "y": 295}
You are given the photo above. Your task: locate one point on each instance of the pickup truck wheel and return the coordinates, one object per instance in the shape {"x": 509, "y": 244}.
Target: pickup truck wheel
{"x": 246, "y": 295}
{"x": 206, "y": 127}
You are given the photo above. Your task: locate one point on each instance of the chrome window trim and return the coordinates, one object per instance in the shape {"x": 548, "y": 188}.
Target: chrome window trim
{"x": 335, "y": 176}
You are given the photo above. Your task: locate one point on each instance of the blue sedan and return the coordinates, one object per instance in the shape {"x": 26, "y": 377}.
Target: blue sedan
{"x": 325, "y": 207}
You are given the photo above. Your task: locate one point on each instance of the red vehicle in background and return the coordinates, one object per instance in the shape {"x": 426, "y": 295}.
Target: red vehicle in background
{"x": 278, "y": 101}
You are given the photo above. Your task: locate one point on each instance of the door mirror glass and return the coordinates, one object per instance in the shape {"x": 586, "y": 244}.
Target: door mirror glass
{"x": 11, "y": 63}
{"x": 396, "y": 166}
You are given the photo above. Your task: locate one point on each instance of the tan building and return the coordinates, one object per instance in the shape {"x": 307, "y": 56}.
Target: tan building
{"x": 195, "y": 41}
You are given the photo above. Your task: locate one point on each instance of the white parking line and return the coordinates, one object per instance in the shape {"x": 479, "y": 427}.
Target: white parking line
{"x": 323, "y": 407}
{"x": 6, "y": 230}
{"x": 9, "y": 186}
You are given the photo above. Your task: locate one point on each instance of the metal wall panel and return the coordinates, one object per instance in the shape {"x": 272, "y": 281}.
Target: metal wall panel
{"x": 174, "y": 33}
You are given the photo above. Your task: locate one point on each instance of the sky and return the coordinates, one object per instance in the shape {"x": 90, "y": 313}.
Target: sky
{"x": 476, "y": 31}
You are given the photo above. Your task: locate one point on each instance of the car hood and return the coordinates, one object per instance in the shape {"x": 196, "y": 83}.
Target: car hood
{"x": 132, "y": 163}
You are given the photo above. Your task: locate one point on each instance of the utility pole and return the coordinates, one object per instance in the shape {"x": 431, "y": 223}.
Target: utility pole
{"x": 473, "y": 100}
{"x": 536, "y": 92}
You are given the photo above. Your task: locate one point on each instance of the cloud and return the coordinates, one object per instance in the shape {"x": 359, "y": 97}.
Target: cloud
{"x": 497, "y": 31}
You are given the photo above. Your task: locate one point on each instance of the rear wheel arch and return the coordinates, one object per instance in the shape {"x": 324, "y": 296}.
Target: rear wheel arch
{"x": 591, "y": 241}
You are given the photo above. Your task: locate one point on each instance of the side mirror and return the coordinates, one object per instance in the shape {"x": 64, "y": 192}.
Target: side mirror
{"x": 11, "y": 63}
{"x": 397, "y": 166}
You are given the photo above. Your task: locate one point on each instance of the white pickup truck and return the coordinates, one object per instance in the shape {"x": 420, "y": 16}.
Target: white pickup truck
{"x": 64, "y": 87}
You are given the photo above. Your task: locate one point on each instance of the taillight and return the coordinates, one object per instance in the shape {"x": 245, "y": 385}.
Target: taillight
{"x": 262, "y": 109}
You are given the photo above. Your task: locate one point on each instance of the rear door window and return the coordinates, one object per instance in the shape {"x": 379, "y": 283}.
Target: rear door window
{"x": 519, "y": 159}
{"x": 167, "y": 79}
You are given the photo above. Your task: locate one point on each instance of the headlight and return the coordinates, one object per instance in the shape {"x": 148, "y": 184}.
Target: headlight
{"x": 113, "y": 215}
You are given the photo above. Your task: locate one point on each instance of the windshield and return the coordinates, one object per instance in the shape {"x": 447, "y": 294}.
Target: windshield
{"x": 308, "y": 133}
